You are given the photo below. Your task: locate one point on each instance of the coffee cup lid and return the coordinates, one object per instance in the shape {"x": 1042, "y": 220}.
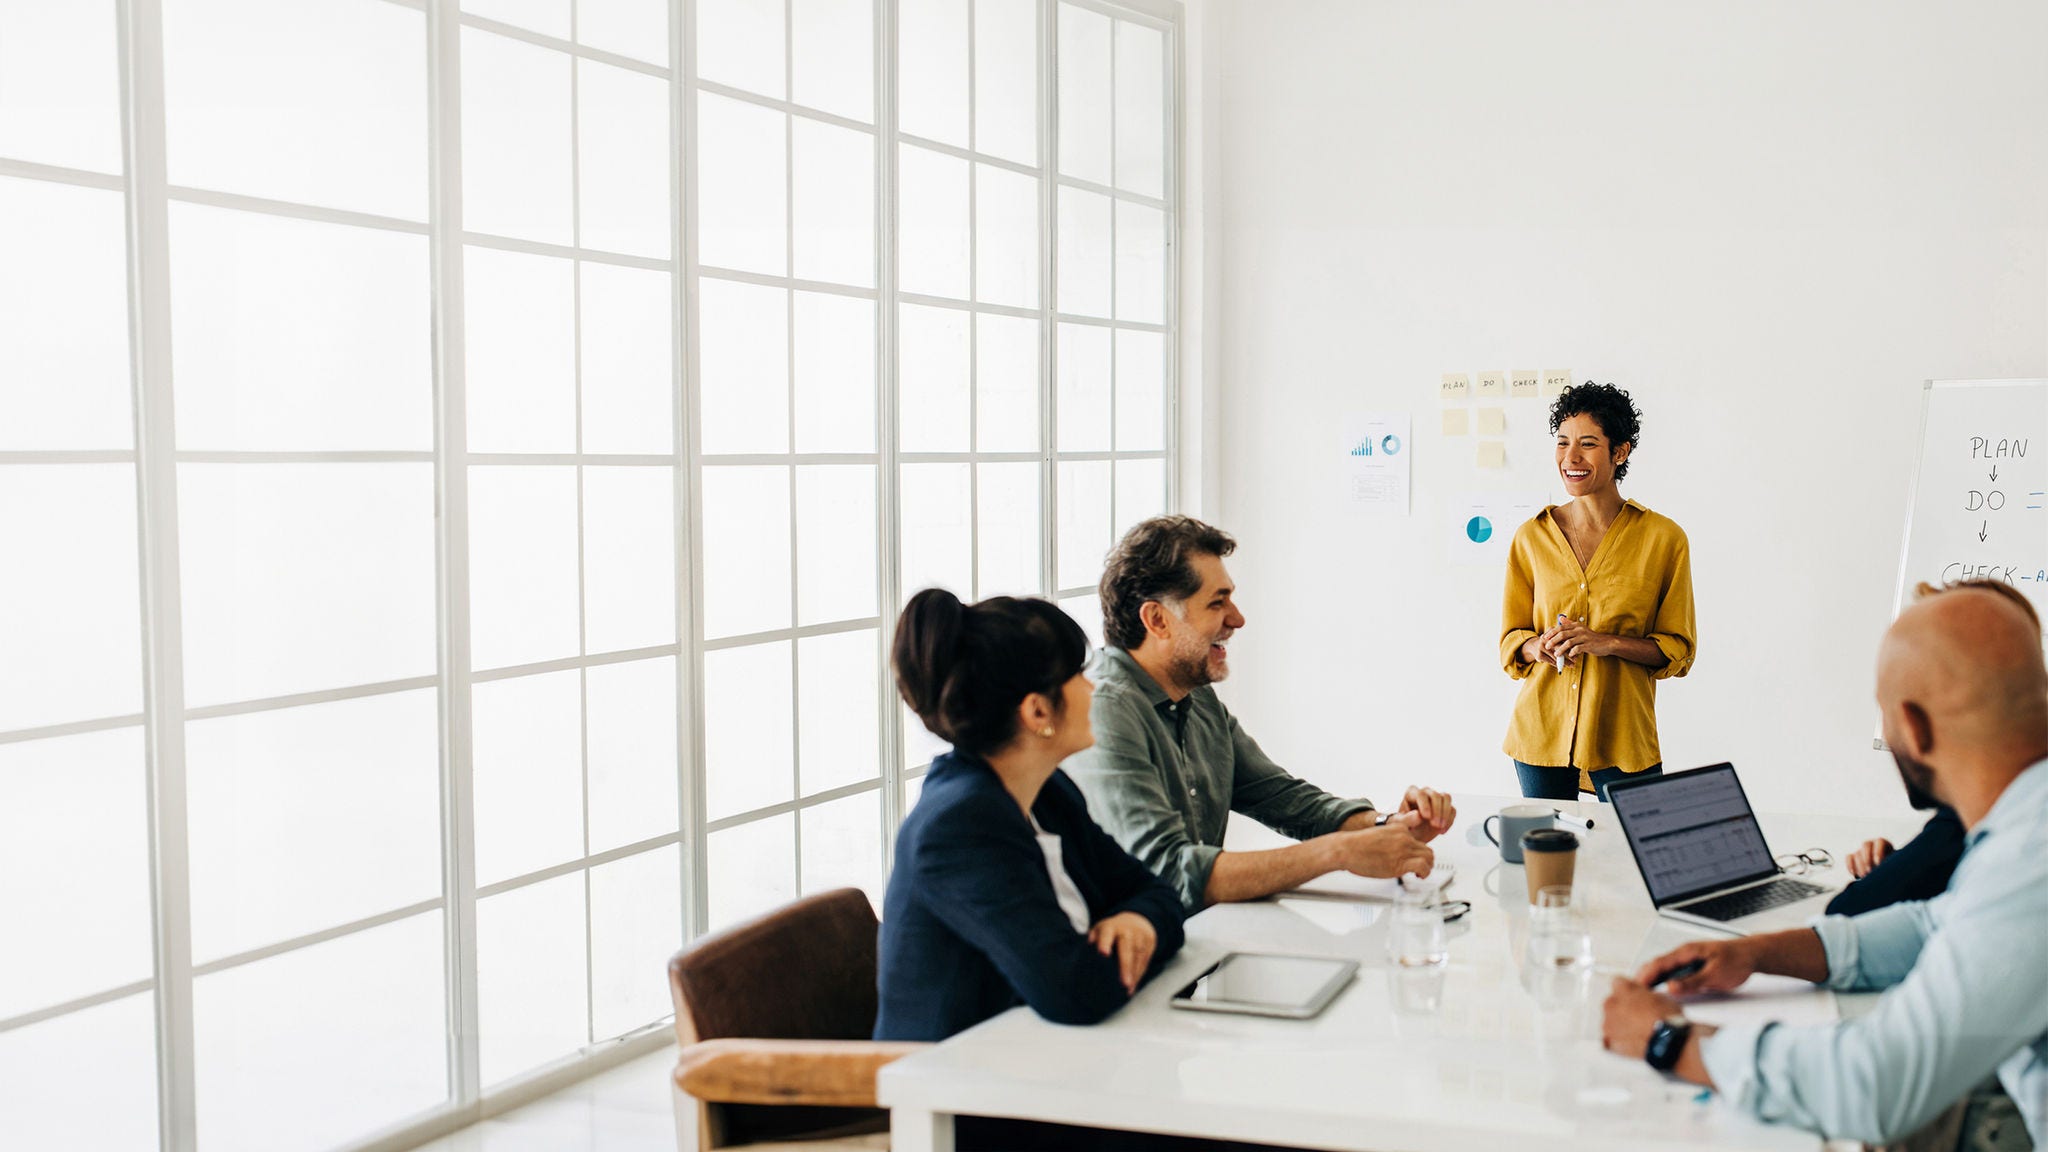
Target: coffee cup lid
{"x": 1549, "y": 840}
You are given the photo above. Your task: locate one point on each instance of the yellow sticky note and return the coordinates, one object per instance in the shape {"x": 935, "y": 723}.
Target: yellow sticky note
{"x": 1455, "y": 421}
{"x": 1493, "y": 422}
{"x": 1525, "y": 383}
{"x": 1493, "y": 454}
{"x": 1555, "y": 381}
{"x": 1457, "y": 388}
{"x": 1493, "y": 386}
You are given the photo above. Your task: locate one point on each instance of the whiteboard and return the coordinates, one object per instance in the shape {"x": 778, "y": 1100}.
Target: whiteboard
{"x": 1977, "y": 507}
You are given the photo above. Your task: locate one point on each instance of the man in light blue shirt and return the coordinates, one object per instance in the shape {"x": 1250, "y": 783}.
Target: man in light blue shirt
{"x": 1965, "y": 975}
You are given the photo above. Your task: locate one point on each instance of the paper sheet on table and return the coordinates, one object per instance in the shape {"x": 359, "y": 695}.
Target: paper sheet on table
{"x": 1345, "y": 886}
{"x": 1764, "y": 999}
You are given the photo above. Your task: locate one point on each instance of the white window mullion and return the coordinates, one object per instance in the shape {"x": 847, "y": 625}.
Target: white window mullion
{"x": 690, "y": 678}
{"x": 888, "y": 437}
{"x": 451, "y": 543}
{"x": 149, "y": 295}
{"x": 796, "y": 658}
{"x": 1170, "y": 156}
{"x": 973, "y": 331}
{"x": 1048, "y": 280}
{"x": 582, "y": 562}
{"x": 1114, "y": 308}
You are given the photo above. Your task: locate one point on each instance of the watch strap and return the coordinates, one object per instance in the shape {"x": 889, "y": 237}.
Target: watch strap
{"x": 1667, "y": 1041}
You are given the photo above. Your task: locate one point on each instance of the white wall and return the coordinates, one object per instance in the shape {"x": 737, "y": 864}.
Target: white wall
{"x": 1770, "y": 221}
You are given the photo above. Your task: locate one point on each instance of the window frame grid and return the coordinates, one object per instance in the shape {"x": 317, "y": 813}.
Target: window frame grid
{"x": 468, "y": 1092}
{"x": 148, "y": 194}
{"x": 790, "y": 460}
{"x": 1153, "y": 15}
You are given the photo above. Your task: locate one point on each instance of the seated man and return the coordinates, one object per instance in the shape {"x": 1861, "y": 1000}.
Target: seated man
{"x": 1921, "y": 870}
{"x": 1170, "y": 763}
{"x": 1961, "y": 1033}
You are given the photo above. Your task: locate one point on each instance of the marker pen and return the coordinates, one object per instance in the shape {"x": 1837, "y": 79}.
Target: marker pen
{"x": 1560, "y": 655}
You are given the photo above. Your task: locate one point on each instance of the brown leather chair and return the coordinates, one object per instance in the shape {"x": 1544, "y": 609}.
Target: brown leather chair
{"x": 773, "y": 1017}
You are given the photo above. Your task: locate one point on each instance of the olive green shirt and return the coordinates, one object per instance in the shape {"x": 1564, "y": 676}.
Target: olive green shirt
{"x": 1163, "y": 778}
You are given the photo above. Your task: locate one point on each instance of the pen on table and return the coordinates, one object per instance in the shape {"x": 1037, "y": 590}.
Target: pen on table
{"x": 1560, "y": 655}
{"x": 1689, "y": 968}
{"x": 1585, "y": 822}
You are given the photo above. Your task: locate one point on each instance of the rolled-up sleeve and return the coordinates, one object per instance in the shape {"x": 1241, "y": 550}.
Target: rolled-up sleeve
{"x": 1674, "y": 629}
{"x": 1876, "y": 949}
{"x": 1127, "y": 796}
{"x": 1961, "y": 1002}
{"x": 1283, "y": 802}
{"x": 1518, "y": 609}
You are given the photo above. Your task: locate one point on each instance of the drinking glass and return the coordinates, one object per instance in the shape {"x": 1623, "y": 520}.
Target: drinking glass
{"x": 1558, "y": 964}
{"x": 1416, "y": 938}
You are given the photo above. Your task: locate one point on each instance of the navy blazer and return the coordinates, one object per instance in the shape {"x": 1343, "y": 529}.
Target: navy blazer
{"x": 970, "y": 925}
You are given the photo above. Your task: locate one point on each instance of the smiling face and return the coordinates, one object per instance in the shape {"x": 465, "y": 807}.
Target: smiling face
{"x": 1199, "y": 628}
{"x": 1586, "y": 460}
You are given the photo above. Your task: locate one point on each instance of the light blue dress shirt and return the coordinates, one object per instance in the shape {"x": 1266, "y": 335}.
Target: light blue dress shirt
{"x": 1966, "y": 994}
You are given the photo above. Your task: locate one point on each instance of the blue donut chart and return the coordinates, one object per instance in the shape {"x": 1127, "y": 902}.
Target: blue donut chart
{"x": 1390, "y": 444}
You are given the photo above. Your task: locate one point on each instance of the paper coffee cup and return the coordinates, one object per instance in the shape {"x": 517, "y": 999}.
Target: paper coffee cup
{"x": 1548, "y": 857}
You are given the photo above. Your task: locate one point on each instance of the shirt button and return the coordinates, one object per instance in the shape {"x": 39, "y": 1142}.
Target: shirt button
{"x": 1191, "y": 792}
{"x": 1582, "y": 587}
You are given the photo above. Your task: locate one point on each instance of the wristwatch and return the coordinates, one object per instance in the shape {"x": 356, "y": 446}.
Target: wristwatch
{"x": 1667, "y": 1040}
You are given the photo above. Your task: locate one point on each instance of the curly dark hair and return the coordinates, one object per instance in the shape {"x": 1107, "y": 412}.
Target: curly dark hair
{"x": 1151, "y": 563}
{"x": 1610, "y": 407}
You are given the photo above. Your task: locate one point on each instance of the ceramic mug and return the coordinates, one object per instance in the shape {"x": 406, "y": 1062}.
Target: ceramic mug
{"x": 1516, "y": 819}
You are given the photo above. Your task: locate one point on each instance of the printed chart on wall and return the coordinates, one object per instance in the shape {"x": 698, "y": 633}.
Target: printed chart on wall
{"x": 1483, "y": 524}
{"x": 1978, "y": 509}
{"x": 1376, "y": 455}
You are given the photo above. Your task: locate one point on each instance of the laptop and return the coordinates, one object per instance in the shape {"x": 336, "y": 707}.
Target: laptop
{"x": 1702, "y": 856}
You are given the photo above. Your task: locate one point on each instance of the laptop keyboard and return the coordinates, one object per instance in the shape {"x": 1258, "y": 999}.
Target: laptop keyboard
{"x": 1747, "y": 901}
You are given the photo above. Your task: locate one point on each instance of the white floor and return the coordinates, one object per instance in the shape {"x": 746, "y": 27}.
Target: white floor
{"x": 625, "y": 1109}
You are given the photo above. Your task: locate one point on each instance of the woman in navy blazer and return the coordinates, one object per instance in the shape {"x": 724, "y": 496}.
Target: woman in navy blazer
{"x": 1004, "y": 891}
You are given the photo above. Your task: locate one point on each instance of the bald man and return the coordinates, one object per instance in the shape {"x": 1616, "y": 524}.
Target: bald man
{"x": 1956, "y": 1052}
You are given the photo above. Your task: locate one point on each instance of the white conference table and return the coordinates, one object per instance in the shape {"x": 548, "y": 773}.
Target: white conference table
{"x": 1448, "y": 1060}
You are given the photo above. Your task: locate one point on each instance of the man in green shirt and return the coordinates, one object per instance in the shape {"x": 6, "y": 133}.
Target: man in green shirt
{"x": 1170, "y": 763}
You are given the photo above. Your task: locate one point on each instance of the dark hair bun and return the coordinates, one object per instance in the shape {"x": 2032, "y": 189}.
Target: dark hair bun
{"x": 964, "y": 668}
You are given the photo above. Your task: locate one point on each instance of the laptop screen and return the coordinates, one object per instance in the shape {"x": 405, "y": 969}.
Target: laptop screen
{"x": 1692, "y": 832}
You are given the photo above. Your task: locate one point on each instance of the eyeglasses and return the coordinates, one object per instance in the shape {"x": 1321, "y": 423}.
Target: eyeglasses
{"x": 1798, "y": 863}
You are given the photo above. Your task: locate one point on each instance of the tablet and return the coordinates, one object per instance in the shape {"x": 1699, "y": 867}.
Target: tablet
{"x": 1265, "y": 984}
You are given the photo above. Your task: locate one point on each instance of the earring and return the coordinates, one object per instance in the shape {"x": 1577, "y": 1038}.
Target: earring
{"x": 1046, "y": 731}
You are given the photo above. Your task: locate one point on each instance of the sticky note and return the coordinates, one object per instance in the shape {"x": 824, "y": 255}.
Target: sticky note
{"x": 1525, "y": 383}
{"x": 1457, "y": 388}
{"x": 1456, "y": 422}
{"x": 1493, "y": 386}
{"x": 1493, "y": 422}
{"x": 1555, "y": 381}
{"x": 1493, "y": 454}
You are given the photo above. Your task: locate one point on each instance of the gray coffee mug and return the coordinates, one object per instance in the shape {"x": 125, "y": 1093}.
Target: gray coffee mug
{"x": 1515, "y": 820}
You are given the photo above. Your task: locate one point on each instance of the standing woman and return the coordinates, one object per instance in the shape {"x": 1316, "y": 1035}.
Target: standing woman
{"x": 1597, "y": 609}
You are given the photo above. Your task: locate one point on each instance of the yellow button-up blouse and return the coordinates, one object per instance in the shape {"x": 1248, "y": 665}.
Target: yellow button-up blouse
{"x": 1600, "y": 712}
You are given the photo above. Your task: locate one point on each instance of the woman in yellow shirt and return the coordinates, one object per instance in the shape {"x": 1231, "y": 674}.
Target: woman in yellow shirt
{"x": 1597, "y": 609}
